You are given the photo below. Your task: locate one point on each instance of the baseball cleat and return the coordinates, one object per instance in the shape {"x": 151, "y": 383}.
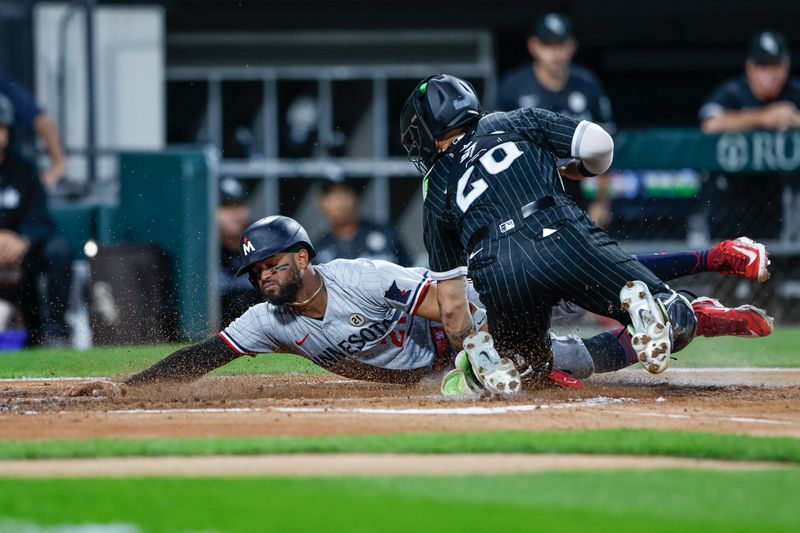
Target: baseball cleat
{"x": 497, "y": 375}
{"x": 740, "y": 257}
{"x": 714, "y": 319}
{"x": 650, "y": 327}
{"x": 564, "y": 380}
{"x": 455, "y": 383}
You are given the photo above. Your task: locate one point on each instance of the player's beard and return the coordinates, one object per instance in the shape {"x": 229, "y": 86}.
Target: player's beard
{"x": 287, "y": 290}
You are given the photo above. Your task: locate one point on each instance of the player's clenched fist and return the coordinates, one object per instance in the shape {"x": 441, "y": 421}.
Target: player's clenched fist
{"x": 97, "y": 388}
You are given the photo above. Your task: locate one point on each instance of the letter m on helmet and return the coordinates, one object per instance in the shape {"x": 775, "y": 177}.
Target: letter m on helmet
{"x": 247, "y": 247}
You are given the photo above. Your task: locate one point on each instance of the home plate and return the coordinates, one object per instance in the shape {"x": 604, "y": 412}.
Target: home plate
{"x": 705, "y": 377}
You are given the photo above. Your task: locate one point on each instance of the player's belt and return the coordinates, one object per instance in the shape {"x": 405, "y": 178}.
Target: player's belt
{"x": 506, "y": 226}
{"x": 542, "y": 203}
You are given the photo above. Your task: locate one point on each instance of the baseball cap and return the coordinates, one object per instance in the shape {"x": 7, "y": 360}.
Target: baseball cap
{"x": 231, "y": 192}
{"x": 768, "y": 47}
{"x": 553, "y": 28}
{"x": 6, "y": 111}
{"x": 327, "y": 184}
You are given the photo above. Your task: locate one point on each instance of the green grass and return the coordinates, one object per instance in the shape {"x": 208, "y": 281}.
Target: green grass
{"x": 605, "y": 441}
{"x": 781, "y": 349}
{"x": 122, "y": 360}
{"x": 627, "y": 501}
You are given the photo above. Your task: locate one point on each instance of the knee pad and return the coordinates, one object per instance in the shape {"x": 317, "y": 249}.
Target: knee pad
{"x": 571, "y": 355}
{"x": 681, "y": 317}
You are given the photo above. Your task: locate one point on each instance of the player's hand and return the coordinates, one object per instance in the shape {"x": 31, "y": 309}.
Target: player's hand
{"x": 780, "y": 116}
{"x": 600, "y": 213}
{"x": 570, "y": 171}
{"x": 52, "y": 176}
{"x": 13, "y": 247}
{"x": 101, "y": 388}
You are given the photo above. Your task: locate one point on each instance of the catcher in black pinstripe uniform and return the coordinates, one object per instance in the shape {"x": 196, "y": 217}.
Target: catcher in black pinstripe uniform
{"x": 495, "y": 201}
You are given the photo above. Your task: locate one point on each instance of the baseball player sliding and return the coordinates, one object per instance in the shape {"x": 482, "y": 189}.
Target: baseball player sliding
{"x": 373, "y": 320}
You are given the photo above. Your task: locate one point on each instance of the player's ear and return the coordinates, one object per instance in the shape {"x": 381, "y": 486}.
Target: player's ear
{"x": 573, "y": 44}
{"x": 301, "y": 258}
{"x": 533, "y": 46}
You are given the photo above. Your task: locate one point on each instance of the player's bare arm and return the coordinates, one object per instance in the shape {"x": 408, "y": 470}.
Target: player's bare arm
{"x": 184, "y": 365}
{"x": 454, "y": 311}
{"x": 778, "y": 115}
{"x": 429, "y": 309}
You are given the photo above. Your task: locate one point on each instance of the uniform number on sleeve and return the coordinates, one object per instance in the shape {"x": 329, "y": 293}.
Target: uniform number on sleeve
{"x": 509, "y": 152}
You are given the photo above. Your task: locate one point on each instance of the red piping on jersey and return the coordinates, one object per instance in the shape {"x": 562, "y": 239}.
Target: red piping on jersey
{"x": 421, "y": 297}
{"x": 230, "y": 343}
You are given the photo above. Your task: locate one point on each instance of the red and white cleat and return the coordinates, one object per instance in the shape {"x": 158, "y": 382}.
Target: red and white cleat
{"x": 714, "y": 319}
{"x": 741, "y": 257}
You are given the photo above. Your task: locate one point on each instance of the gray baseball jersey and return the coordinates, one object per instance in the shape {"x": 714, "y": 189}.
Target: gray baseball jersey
{"x": 370, "y": 319}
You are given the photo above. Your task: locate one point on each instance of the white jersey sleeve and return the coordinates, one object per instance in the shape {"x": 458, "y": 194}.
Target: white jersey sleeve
{"x": 249, "y": 334}
{"x": 387, "y": 284}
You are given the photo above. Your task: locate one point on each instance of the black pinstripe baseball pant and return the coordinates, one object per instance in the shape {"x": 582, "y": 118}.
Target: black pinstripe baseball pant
{"x": 521, "y": 274}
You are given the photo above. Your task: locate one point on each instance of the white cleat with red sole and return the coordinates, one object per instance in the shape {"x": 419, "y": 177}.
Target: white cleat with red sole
{"x": 650, "y": 327}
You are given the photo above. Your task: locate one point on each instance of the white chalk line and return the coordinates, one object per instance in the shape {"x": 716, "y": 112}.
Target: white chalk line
{"x": 600, "y": 401}
{"x": 711, "y": 370}
{"x": 97, "y": 378}
{"x": 740, "y": 419}
{"x": 500, "y": 409}
{"x": 42, "y": 380}
{"x": 477, "y": 410}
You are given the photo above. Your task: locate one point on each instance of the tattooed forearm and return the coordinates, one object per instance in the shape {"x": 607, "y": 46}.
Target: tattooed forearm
{"x": 456, "y": 338}
{"x": 455, "y": 311}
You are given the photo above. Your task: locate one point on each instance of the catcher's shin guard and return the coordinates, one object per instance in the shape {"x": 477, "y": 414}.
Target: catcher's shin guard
{"x": 681, "y": 317}
{"x": 650, "y": 326}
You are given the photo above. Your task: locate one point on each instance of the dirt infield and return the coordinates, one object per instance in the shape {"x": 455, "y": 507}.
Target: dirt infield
{"x": 358, "y": 464}
{"x": 744, "y": 401}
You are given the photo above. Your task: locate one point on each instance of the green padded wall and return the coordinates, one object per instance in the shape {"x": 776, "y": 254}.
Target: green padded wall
{"x": 74, "y": 222}
{"x": 165, "y": 199}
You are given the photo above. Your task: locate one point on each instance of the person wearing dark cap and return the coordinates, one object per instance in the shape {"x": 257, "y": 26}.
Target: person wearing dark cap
{"x": 350, "y": 236}
{"x": 765, "y": 97}
{"x": 554, "y": 83}
{"x": 29, "y": 244}
{"x": 33, "y": 122}
{"x": 233, "y": 216}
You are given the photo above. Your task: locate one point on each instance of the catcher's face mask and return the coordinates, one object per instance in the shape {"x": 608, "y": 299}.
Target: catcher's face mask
{"x": 415, "y": 135}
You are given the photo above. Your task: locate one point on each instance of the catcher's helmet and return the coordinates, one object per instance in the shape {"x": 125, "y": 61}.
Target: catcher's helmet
{"x": 439, "y": 104}
{"x": 6, "y": 111}
{"x": 270, "y": 236}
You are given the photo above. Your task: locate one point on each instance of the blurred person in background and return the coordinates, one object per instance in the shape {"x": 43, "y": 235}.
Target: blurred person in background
{"x": 28, "y": 241}
{"x": 233, "y": 216}
{"x": 764, "y": 97}
{"x": 32, "y": 122}
{"x": 554, "y": 83}
{"x": 350, "y": 236}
